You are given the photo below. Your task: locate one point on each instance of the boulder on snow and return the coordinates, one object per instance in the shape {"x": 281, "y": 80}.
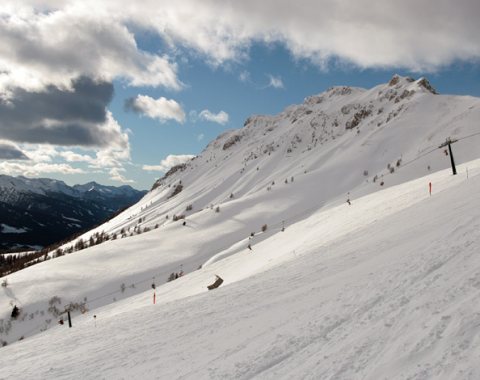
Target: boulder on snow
{"x": 216, "y": 284}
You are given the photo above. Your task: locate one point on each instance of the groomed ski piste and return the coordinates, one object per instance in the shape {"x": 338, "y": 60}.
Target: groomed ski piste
{"x": 386, "y": 288}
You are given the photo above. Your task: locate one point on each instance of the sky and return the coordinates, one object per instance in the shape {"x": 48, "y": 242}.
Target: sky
{"x": 117, "y": 92}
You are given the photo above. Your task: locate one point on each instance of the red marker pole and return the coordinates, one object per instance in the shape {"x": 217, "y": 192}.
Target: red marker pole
{"x": 430, "y": 188}
{"x": 154, "y": 291}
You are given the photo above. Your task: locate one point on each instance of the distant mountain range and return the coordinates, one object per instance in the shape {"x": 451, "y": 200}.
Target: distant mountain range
{"x": 38, "y": 212}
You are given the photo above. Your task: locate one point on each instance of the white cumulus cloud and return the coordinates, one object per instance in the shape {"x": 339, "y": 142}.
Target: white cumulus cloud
{"x": 161, "y": 109}
{"x": 116, "y": 175}
{"x": 70, "y": 156}
{"x": 38, "y": 49}
{"x": 46, "y": 42}
{"x": 275, "y": 82}
{"x": 35, "y": 170}
{"x": 220, "y": 117}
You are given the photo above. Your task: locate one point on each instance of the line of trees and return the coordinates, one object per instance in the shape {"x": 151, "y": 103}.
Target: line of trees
{"x": 14, "y": 262}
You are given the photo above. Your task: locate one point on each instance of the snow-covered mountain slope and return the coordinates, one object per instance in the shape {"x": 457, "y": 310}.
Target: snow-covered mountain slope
{"x": 20, "y": 184}
{"x": 387, "y": 288}
{"x": 293, "y": 170}
{"x": 343, "y": 140}
{"x": 109, "y": 191}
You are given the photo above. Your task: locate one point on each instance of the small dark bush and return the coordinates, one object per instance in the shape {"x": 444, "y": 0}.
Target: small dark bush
{"x": 231, "y": 141}
{"x": 178, "y": 217}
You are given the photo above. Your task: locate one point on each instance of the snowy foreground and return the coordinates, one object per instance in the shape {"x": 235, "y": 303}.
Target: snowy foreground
{"x": 387, "y": 288}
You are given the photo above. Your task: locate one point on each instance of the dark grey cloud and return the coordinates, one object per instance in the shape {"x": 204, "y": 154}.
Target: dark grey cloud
{"x": 11, "y": 152}
{"x": 76, "y": 116}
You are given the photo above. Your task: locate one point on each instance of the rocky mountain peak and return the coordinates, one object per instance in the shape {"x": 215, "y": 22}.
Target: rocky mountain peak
{"x": 425, "y": 84}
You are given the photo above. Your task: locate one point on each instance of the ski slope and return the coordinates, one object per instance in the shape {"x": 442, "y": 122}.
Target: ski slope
{"x": 387, "y": 288}
{"x": 334, "y": 295}
{"x": 344, "y": 140}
